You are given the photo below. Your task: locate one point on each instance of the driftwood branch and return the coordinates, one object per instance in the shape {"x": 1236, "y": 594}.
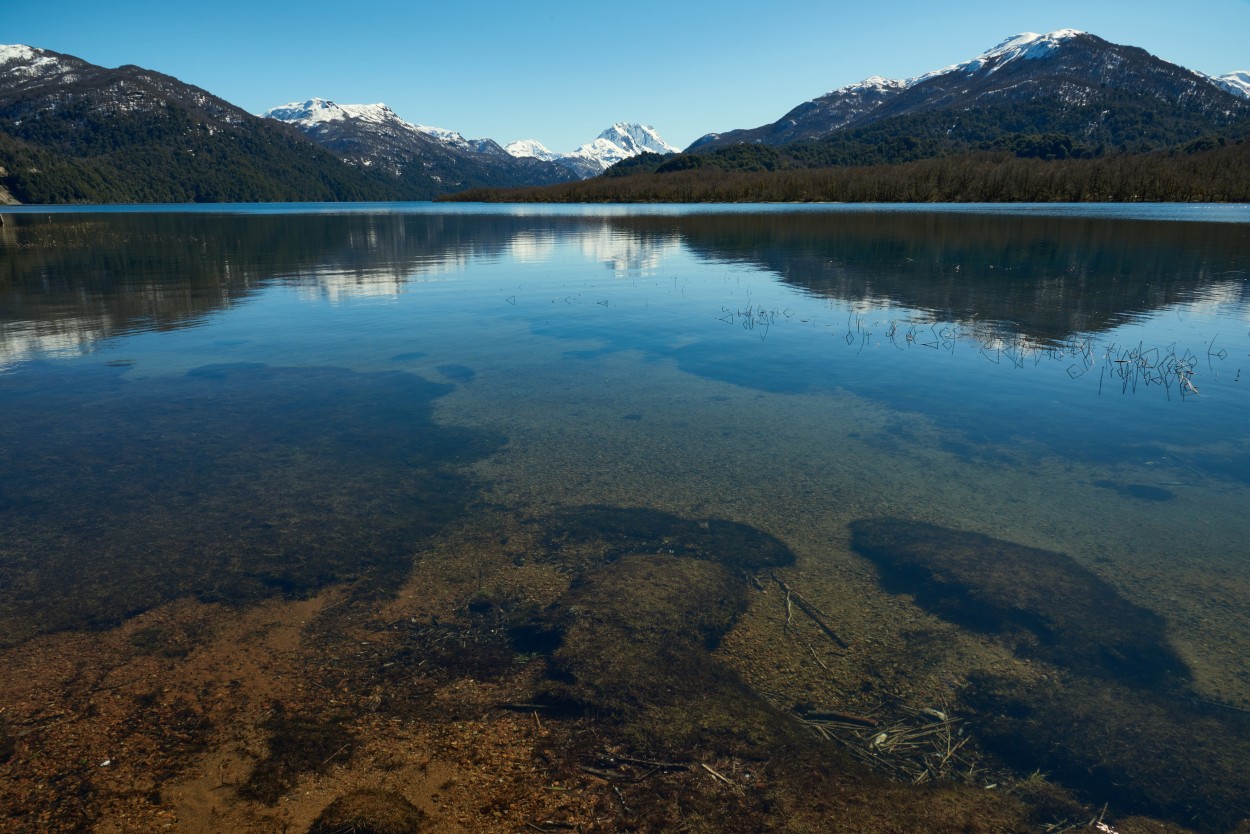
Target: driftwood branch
{"x": 817, "y": 616}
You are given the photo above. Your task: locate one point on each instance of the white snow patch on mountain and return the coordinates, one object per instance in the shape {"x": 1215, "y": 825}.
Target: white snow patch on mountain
{"x": 603, "y": 152}
{"x": 316, "y": 111}
{"x": 319, "y": 110}
{"x": 1026, "y": 45}
{"x": 33, "y": 61}
{"x": 876, "y": 82}
{"x": 872, "y": 83}
{"x": 442, "y": 134}
{"x": 15, "y": 52}
{"x": 1237, "y": 83}
{"x": 531, "y": 148}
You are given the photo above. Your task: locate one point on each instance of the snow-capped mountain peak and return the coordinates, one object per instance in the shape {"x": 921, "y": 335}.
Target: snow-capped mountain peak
{"x": 30, "y": 63}
{"x": 29, "y": 57}
{"x": 322, "y": 117}
{"x": 1237, "y": 83}
{"x": 620, "y": 141}
{"x": 1062, "y": 72}
{"x": 531, "y": 148}
{"x": 319, "y": 110}
{"x": 18, "y": 52}
{"x": 606, "y": 152}
{"x": 1026, "y": 46}
{"x": 374, "y": 136}
{"x": 636, "y": 138}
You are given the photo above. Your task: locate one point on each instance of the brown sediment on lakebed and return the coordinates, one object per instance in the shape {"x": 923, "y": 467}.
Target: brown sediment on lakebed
{"x": 579, "y": 689}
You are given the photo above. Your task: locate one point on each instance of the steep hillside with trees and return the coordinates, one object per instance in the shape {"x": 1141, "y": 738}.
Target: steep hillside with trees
{"x": 1200, "y": 172}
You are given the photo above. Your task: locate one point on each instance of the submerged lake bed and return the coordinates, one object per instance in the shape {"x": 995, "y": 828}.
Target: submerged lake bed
{"x": 632, "y": 518}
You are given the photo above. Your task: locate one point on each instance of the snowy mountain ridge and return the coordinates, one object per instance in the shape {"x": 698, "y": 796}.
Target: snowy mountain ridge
{"x": 1026, "y": 45}
{"x": 634, "y": 138}
{"x": 31, "y": 61}
{"x": 620, "y": 141}
{"x": 24, "y": 66}
{"x": 531, "y": 148}
{"x": 1237, "y": 83}
{"x": 318, "y": 111}
{"x": 374, "y": 136}
{"x": 1063, "y": 73}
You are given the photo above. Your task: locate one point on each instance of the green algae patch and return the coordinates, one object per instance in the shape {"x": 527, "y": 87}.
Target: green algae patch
{"x": 1042, "y": 602}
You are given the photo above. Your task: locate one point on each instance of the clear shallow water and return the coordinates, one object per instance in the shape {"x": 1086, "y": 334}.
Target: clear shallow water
{"x": 263, "y": 400}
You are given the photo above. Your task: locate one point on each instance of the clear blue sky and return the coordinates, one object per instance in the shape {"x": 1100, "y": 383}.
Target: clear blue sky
{"x": 561, "y": 71}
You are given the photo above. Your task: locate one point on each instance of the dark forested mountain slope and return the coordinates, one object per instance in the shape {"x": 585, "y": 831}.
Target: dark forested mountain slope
{"x": 71, "y": 131}
{"x": 1065, "y": 88}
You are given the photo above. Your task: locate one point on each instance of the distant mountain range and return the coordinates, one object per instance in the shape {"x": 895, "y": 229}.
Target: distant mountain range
{"x": 71, "y": 131}
{"x": 374, "y": 135}
{"x": 425, "y": 159}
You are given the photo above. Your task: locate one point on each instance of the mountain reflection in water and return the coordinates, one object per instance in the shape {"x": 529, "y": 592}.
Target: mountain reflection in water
{"x": 1046, "y": 279}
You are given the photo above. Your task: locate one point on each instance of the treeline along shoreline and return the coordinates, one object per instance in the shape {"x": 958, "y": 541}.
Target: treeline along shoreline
{"x": 1212, "y": 174}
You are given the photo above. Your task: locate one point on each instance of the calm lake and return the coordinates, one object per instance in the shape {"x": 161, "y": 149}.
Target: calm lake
{"x": 946, "y": 496}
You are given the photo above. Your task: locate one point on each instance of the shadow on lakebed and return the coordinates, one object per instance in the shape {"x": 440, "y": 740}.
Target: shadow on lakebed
{"x": 1043, "y": 603}
{"x": 1115, "y": 720}
{"x": 652, "y": 596}
{"x": 231, "y": 483}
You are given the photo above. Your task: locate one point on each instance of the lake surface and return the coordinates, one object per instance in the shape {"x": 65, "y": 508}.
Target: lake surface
{"x": 989, "y": 462}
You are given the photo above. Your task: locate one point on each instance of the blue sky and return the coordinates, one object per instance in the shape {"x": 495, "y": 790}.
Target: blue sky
{"x": 562, "y": 71}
